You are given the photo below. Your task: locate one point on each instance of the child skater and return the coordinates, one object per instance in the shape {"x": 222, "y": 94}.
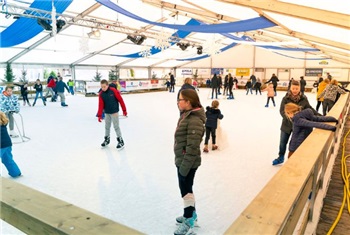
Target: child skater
{"x": 303, "y": 123}
{"x": 213, "y": 113}
{"x": 270, "y": 94}
{"x": 6, "y": 148}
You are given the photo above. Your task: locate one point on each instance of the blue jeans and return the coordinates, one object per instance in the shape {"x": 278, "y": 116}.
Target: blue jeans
{"x": 7, "y": 160}
{"x": 71, "y": 90}
{"x": 37, "y": 94}
{"x": 283, "y": 144}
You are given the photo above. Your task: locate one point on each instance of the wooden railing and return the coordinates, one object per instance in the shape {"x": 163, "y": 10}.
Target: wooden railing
{"x": 279, "y": 207}
{"x": 36, "y": 213}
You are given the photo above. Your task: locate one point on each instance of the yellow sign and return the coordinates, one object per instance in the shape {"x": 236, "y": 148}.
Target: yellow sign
{"x": 323, "y": 62}
{"x": 242, "y": 71}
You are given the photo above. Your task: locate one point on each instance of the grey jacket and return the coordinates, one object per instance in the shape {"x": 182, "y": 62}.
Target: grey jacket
{"x": 188, "y": 136}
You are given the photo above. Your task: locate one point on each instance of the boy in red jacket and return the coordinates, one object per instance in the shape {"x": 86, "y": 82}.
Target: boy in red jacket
{"x": 109, "y": 99}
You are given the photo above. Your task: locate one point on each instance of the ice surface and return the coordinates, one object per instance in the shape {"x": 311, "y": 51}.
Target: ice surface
{"x": 138, "y": 185}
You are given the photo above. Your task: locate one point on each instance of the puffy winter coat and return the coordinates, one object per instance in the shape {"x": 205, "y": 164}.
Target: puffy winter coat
{"x": 321, "y": 88}
{"x": 212, "y": 117}
{"x": 9, "y": 103}
{"x": 303, "y": 124}
{"x": 331, "y": 91}
{"x": 188, "y": 136}
{"x": 287, "y": 125}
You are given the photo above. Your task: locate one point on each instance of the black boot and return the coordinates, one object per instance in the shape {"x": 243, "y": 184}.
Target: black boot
{"x": 106, "y": 141}
{"x": 120, "y": 143}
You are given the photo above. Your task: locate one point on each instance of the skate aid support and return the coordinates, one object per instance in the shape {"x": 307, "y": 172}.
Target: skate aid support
{"x": 283, "y": 205}
{"x": 35, "y": 213}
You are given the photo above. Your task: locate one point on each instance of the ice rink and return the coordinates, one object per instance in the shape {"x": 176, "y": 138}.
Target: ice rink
{"x": 137, "y": 186}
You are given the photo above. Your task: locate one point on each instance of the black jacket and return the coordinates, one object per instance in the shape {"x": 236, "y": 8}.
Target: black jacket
{"x": 212, "y": 117}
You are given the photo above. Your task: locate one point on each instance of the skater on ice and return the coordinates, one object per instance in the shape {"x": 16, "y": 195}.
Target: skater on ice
{"x": 213, "y": 113}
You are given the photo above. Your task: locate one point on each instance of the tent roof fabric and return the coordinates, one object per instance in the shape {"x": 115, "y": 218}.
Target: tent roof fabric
{"x": 288, "y": 28}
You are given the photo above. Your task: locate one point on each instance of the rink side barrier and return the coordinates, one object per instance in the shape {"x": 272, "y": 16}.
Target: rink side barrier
{"x": 283, "y": 205}
{"x": 35, "y": 213}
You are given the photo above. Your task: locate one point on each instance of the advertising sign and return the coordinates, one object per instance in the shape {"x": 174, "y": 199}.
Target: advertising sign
{"x": 242, "y": 71}
{"x": 313, "y": 72}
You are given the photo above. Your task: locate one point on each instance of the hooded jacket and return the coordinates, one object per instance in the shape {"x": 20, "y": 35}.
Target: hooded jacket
{"x": 8, "y": 103}
{"x": 303, "y": 124}
{"x": 212, "y": 117}
{"x": 188, "y": 136}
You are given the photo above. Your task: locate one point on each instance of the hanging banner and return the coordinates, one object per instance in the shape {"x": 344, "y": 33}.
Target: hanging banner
{"x": 186, "y": 72}
{"x": 242, "y": 71}
{"x": 217, "y": 70}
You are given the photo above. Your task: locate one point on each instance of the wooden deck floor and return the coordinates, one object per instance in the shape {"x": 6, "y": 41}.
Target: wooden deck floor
{"x": 334, "y": 197}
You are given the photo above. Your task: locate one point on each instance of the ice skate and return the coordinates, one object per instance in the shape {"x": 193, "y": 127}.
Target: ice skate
{"x": 186, "y": 227}
{"x": 206, "y": 150}
{"x": 106, "y": 141}
{"x": 215, "y": 147}
{"x": 120, "y": 144}
{"x": 277, "y": 161}
{"x": 13, "y": 134}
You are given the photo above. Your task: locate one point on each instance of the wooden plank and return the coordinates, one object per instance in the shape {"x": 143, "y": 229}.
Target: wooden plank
{"x": 36, "y": 213}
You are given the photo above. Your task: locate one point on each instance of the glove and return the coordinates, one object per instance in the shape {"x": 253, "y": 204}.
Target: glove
{"x": 125, "y": 113}
{"x": 336, "y": 122}
{"x": 100, "y": 119}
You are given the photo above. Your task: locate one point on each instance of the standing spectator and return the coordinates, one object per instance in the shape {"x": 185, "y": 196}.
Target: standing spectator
{"x": 329, "y": 76}
{"x": 302, "y": 85}
{"x": 253, "y": 79}
{"x": 208, "y": 83}
{"x": 270, "y": 95}
{"x": 172, "y": 82}
{"x": 51, "y": 84}
{"x": 226, "y": 85}
{"x": 6, "y": 149}
{"x": 24, "y": 92}
{"x": 188, "y": 137}
{"x": 230, "y": 86}
{"x": 108, "y": 102}
{"x": 70, "y": 84}
{"x": 213, "y": 113}
{"x": 321, "y": 87}
{"x": 60, "y": 91}
{"x": 248, "y": 87}
{"x": 214, "y": 86}
{"x": 320, "y": 79}
{"x": 274, "y": 79}
{"x": 38, "y": 91}
{"x": 187, "y": 85}
{"x": 195, "y": 85}
{"x": 293, "y": 96}
{"x": 220, "y": 83}
{"x": 303, "y": 123}
{"x": 290, "y": 83}
{"x": 330, "y": 95}
{"x": 9, "y": 104}
{"x": 258, "y": 86}
{"x": 235, "y": 82}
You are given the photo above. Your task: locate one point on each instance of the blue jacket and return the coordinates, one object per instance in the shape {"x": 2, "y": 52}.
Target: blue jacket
{"x": 5, "y": 138}
{"x": 60, "y": 85}
{"x": 303, "y": 124}
{"x": 212, "y": 117}
{"x": 9, "y": 103}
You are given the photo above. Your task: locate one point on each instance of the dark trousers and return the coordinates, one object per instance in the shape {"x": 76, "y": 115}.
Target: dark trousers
{"x": 172, "y": 88}
{"x": 318, "y": 105}
{"x": 258, "y": 89}
{"x": 327, "y": 106}
{"x": 212, "y": 92}
{"x": 284, "y": 137}
{"x": 268, "y": 100}
{"x": 185, "y": 185}
{"x": 25, "y": 98}
{"x": 208, "y": 131}
{"x": 230, "y": 89}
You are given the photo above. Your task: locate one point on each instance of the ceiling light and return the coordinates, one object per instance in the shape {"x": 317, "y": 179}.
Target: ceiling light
{"x": 94, "y": 33}
{"x": 199, "y": 50}
{"x": 183, "y": 46}
{"x": 137, "y": 39}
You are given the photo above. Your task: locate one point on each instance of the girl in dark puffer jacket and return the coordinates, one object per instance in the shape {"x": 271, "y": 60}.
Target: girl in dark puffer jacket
{"x": 303, "y": 123}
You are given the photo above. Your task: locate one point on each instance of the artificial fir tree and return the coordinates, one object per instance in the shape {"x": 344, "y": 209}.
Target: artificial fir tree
{"x": 9, "y": 77}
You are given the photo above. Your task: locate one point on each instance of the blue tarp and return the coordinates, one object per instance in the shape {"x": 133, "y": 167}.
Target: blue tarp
{"x": 24, "y": 29}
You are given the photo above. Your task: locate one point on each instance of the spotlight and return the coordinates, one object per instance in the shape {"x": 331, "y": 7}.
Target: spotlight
{"x": 96, "y": 33}
{"x": 45, "y": 24}
{"x": 138, "y": 39}
{"x": 199, "y": 50}
{"x": 183, "y": 46}
{"x": 60, "y": 24}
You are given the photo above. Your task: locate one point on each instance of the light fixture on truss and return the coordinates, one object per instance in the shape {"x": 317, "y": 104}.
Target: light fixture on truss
{"x": 94, "y": 33}
{"x": 137, "y": 39}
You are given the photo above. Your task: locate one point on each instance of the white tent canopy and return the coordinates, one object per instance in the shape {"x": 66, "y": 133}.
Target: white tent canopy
{"x": 322, "y": 25}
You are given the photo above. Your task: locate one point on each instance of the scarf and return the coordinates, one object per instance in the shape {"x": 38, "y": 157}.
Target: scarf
{"x": 294, "y": 98}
